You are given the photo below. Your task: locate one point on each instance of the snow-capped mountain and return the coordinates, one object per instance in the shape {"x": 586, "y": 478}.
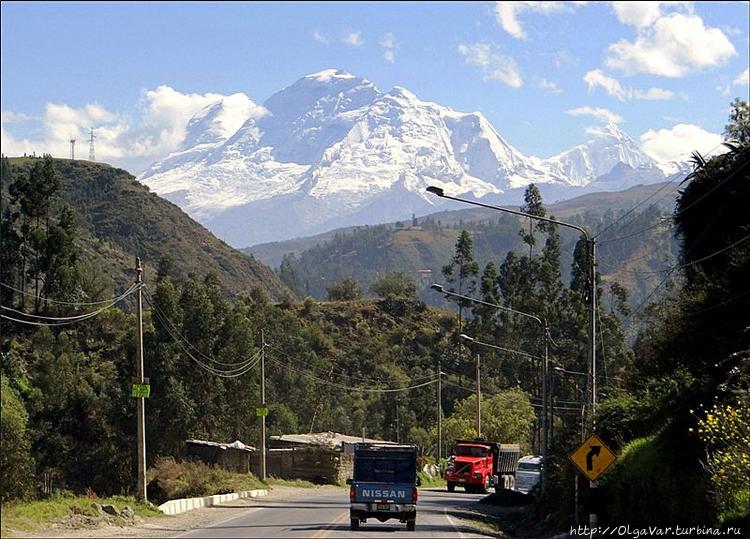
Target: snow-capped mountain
{"x": 333, "y": 150}
{"x": 597, "y": 157}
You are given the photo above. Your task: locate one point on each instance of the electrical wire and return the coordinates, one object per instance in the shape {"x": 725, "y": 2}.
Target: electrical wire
{"x": 62, "y": 321}
{"x": 672, "y": 183}
{"x": 674, "y": 268}
{"x": 343, "y": 373}
{"x": 641, "y": 231}
{"x": 643, "y": 303}
{"x": 242, "y": 368}
{"x": 72, "y": 318}
{"x": 57, "y": 302}
{"x": 349, "y": 388}
{"x": 165, "y": 321}
{"x": 631, "y": 210}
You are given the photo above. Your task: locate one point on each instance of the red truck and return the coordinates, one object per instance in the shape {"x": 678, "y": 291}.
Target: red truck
{"x": 480, "y": 464}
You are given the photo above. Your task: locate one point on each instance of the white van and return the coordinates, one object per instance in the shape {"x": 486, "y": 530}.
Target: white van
{"x": 528, "y": 473}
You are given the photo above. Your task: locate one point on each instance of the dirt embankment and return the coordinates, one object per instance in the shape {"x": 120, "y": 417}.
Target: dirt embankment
{"x": 73, "y": 525}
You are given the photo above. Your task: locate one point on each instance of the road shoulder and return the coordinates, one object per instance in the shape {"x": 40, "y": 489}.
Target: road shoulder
{"x": 169, "y": 526}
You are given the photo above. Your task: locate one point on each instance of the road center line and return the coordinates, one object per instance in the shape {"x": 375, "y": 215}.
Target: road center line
{"x": 329, "y": 527}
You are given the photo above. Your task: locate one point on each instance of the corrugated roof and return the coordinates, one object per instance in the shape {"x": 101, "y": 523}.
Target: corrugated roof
{"x": 330, "y": 439}
{"x": 234, "y": 445}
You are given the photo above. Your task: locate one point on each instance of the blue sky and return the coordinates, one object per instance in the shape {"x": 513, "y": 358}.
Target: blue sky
{"x": 542, "y": 72}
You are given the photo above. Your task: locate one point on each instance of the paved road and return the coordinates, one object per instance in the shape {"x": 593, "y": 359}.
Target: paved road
{"x": 327, "y": 516}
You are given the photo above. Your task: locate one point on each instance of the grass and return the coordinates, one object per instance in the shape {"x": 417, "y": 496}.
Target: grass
{"x": 430, "y": 481}
{"x": 193, "y": 479}
{"x": 299, "y": 483}
{"x": 33, "y": 515}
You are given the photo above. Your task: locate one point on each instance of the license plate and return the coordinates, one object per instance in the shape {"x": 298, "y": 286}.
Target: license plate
{"x": 384, "y": 506}
{"x": 461, "y": 480}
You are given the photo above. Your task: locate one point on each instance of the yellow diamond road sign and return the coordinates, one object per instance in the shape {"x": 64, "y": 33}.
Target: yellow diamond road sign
{"x": 593, "y": 457}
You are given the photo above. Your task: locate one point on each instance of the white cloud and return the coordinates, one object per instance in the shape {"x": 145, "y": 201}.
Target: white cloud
{"x": 548, "y": 85}
{"x": 507, "y": 13}
{"x": 354, "y": 39}
{"x": 677, "y": 143}
{"x": 388, "y": 42}
{"x": 10, "y": 117}
{"x": 494, "y": 65}
{"x": 597, "y": 78}
{"x": 673, "y": 46}
{"x": 638, "y": 14}
{"x": 321, "y": 37}
{"x": 601, "y": 114}
{"x": 743, "y": 79}
{"x": 157, "y": 130}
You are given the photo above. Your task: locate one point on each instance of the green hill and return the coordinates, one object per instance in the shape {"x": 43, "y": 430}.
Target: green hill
{"x": 634, "y": 251}
{"x": 118, "y": 219}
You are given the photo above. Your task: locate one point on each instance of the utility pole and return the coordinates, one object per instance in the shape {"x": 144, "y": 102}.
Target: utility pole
{"x": 140, "y": 410}
{"x": 479, "y": 403}
{"x": 263, "y": 405}
{"x": 593, "y": 485}
{"x": 92, "y": 155}
{"x": 439, "y": 414}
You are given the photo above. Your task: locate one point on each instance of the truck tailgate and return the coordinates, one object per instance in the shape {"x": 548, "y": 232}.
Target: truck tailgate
{"x": 383, "y": 492}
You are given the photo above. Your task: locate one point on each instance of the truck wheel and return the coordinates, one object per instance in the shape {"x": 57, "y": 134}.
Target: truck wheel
{"x": 484, "y": 486}
{"x": 411, "y": 525}
{"x": 354, "y": 523}
{"x": 451, "y": 486}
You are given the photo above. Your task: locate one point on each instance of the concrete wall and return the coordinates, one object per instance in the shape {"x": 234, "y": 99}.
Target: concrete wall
{"x": 175, "y": 507}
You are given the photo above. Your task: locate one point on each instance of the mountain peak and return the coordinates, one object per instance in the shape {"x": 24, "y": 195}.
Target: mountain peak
{"x": 219, "y": 120}
{"x": 327, "y": 74}
{"x": 400, "y": 91}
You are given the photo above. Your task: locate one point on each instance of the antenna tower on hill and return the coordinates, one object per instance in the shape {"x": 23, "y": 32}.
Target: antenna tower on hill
{"x": 92, "y": 155}
{"x": 72, "y": 149}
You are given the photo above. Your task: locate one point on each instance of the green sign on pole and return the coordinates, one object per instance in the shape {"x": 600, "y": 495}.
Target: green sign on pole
{"x": 142, "y": 391}
{"x": 261, "y": 412}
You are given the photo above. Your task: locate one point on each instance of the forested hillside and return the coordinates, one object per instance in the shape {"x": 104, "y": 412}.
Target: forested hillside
{"x": 635, "y": 249}
{"x": 118, "y": 219}
{"x": 674, "y": 405}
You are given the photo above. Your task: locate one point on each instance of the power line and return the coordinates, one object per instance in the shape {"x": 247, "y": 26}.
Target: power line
{"x": 641, "y": 231}
{"x": 57, "y": 302}
{"x": 164, "y": 319}
{"x": 687, "y": 252}
{"x": 631, "y": 210}
{"x": 667, "y": 184}
{"x": 332, "y": 370}
{"x": 61, "y": 321}
{"x": 714, "y": 188}
{"x": 350, "y": 388}
{"x": 241, "y": 367}
{"x": 67, "y": 318}
{"x": 682, "y": 266}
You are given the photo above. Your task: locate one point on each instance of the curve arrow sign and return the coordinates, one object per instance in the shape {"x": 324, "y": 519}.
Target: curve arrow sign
{"x": 593, "y": 452}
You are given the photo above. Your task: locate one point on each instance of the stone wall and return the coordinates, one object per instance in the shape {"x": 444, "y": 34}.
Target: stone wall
{"x": 316, "y": 464}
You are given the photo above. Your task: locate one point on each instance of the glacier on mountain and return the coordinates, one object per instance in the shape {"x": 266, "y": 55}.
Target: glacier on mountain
{"x": 333, "y": 150}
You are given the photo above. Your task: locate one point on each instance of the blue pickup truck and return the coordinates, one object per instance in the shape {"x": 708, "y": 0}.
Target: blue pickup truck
{"x": 384, "y": 484}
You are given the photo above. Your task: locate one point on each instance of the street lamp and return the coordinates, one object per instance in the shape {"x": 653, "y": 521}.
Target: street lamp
{"x": 466, "y": 338}
{"x": 592, "y": 279}
{"x": 592, "y": 295}
{"x": 546, "y": 412}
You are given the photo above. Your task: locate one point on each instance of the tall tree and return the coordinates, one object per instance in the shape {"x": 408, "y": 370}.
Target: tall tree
{"x": 533, "y": 206}
{"x": 738, "y": 128}
{"x": 462, "y": 271}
